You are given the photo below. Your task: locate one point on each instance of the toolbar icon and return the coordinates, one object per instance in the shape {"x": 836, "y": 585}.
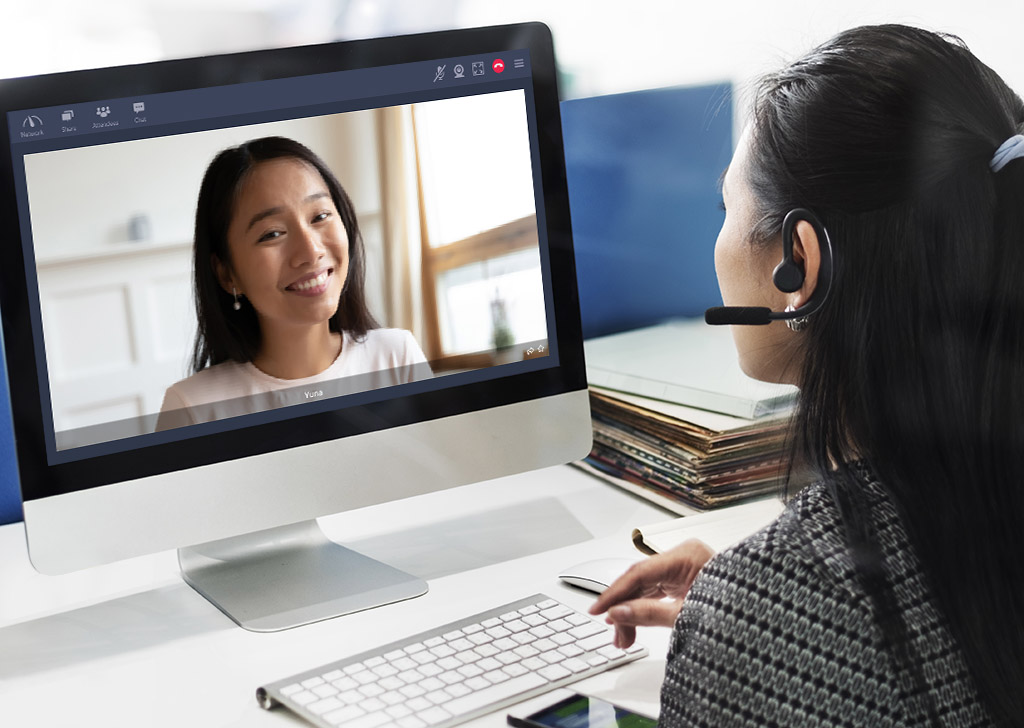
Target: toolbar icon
{"x": 439, "y": 76}
{"x": 518, "y": 62}
{"x": 67, "y": 115}
{"x": 138, "y": 107}
{"x": 103, "y": 111}
{"x": 32, "y": 121}
{"x": 478, "y": 68}
{"x": 498, "y": 65}
{"x": 460, "y": 72}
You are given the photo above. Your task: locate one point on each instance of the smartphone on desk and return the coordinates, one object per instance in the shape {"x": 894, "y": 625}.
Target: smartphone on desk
{"x": 582, "y": 711}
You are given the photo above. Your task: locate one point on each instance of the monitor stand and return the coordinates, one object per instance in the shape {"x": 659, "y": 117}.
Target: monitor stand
{"x": 289, "y": 576}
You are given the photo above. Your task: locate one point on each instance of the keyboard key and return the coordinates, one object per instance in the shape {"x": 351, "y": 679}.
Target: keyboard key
{"x": 556, "y": 612}
{"x": 450, "y": 663}
{"x": 598, "y": 640}
{"x": 323, "y": 706}
{"x": 554, "y": 672}
{"x": 533, "y": 663}
{"x": 398, "y": 711}
{"x": 342, "y": 716}
{"x": 434, "y": 715}
{"x": 412, "y": 691}
{"x": 291, "y": 689}
{"x": 325, "y": 691}
{"x": 375, "y": 720}
{"x": 431, "y": 683}
{"x": 411, "y": 722}
{"x": 574, "y": 665}
{"x": 487, "y": 650}
{"x": 345, "y": 683}
{"x": 312, "y": 682}
{"x": 438, "y": 697}
{"x": 419, "y": 704}
{"x": 350, "y": 697}
{"x": 372, "y": 705}
{"x": 332, "y": 675}
{"x": 304, "y": 698}
{"x": 450, "y": 678}
{"x": 544, "y": 645}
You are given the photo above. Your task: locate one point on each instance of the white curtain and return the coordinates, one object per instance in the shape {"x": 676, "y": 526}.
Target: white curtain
{"x": 400, "y": 221}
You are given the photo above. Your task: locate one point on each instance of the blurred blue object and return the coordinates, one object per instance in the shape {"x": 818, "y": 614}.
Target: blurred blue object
{"x": 10, "y": 492}
{"x": 643, "y": 170}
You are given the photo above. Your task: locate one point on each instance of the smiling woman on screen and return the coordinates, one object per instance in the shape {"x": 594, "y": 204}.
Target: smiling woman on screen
{"x": 890, "y": 592}
{"x": 279, "y": 275}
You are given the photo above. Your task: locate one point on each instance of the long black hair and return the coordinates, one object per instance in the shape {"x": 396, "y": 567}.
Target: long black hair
{"x": 917, "y": 360}
{"x": 223, "y": 334}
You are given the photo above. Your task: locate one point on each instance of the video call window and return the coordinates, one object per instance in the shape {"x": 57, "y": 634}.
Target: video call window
{"x": 444, "y": 197}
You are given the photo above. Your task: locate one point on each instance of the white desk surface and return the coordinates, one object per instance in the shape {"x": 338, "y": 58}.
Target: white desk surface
{"x": 130, "y": 644}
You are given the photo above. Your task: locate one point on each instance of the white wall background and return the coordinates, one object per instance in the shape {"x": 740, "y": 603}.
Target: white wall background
{"x": 82, "y": 199}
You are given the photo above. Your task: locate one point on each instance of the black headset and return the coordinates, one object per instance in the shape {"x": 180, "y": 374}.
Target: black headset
{"x": 787, "y": 277}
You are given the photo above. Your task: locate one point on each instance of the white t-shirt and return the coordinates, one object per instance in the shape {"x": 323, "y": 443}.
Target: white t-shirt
{"x": 384, "y": 358}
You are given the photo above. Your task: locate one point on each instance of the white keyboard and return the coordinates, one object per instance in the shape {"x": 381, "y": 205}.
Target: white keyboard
{"x": 456, "y": 672}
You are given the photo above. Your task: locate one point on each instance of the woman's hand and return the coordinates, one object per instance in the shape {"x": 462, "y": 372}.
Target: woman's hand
{"x": 637, "y": 598}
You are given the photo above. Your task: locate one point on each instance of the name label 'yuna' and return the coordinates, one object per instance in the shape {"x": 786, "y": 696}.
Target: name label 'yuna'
{"x": 314, "y": 393}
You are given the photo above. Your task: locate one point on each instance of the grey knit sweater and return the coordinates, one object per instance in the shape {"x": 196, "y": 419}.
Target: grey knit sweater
{"x": 777, "y": 631}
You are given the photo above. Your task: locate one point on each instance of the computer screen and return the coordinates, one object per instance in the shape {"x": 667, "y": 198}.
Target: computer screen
{"x": 246, "y": 291}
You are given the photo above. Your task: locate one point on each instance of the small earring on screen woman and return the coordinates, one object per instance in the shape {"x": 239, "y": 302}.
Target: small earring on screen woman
{"x": 238, "y": 304}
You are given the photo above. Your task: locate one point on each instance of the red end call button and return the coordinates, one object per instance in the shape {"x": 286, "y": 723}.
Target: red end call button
{"x": 498, "y": 65}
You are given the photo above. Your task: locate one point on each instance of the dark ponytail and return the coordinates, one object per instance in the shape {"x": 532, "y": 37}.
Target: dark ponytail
{"x": 917, "y": 360}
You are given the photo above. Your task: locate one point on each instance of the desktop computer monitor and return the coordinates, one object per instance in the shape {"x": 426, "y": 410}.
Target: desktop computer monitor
{"x": 241, "y": 292}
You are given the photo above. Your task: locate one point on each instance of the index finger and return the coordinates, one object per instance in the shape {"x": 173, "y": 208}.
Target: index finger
{"x": 638, "y": 581}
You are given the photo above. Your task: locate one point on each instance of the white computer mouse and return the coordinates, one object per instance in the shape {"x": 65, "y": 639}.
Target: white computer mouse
{"x": 596, "y": 575}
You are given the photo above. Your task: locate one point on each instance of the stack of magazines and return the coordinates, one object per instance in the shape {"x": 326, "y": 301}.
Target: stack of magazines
{"x": 675, "y": 420}
{"x": 689, "y": 457}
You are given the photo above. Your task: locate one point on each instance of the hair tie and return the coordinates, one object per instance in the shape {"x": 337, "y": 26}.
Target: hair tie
{"x": 1007, "y": 152}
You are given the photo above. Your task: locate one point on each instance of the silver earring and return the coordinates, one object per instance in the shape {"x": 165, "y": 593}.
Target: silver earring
{"x": 238, "y": 304}
{"x": 795, "y": 324}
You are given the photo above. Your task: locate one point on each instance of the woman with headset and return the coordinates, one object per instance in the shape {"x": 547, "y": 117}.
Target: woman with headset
{"x": 885, "y": 169}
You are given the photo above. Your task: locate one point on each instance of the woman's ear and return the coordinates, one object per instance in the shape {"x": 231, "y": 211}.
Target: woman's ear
{"x": 807, "y": 255}
{"x": 224, "y": 277}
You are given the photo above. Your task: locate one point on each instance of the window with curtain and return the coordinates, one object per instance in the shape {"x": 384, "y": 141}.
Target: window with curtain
{"x": 478, "y": 229}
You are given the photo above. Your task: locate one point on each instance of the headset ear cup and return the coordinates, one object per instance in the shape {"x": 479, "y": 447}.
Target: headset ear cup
{"x": 787, "y": 276}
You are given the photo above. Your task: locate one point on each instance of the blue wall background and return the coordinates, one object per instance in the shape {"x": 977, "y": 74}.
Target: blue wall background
{"x": 10, "y": 494}
{"x": 643, "y": 170}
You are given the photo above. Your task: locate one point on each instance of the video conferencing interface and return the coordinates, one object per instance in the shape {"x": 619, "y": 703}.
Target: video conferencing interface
{"x": 122, "y": 201}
